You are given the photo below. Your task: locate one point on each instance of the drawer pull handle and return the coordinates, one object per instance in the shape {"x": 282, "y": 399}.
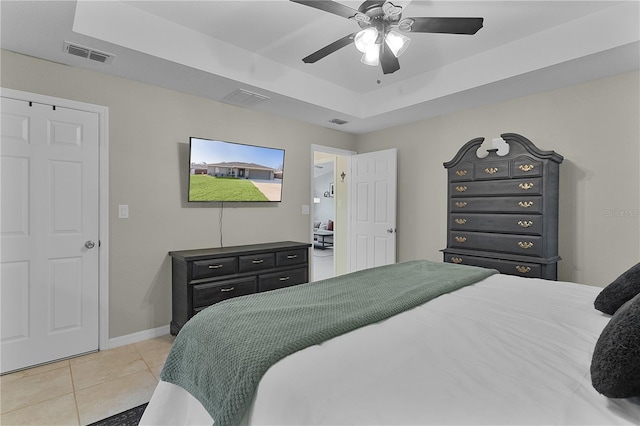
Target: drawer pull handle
{"x": 461, "y": 204}
{"x": 525, "y": 223}
{"x": 215, "y": 266}
{"x": 257, "y": 261}
{"x": 460, "y": 221}
{"x": 284, "y": 278}
{"x": 523, "y": 269}
{"x": 461, "y": 239}
{"x": 525, "y": 204}
{"x": 292, "y": 256}
{"x": 526, "y": 186}
{"x": 526, "y": 167}
{"x": 461, "y": 188}
{"x": 491, "y": 170}
{"x": 461, "y": 172}
{"x": 227, "y": 289}
{"x": 525, "y": 244}
{"x": 456, "y": 259}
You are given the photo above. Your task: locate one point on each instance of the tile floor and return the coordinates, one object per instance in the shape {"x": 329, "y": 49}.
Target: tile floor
{"x": 322, "y": 264}
{"x": 86, "y": 389}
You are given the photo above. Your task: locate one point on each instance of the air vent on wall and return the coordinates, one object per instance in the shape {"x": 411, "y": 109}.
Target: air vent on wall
{"x": 338, "y": 121}
{"x": 88, "y": 53}
{"x": 244, "y": 97}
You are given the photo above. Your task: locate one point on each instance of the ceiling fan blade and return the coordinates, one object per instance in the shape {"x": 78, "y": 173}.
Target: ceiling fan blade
{"x": 331, "y": 7}
{"x": 388, "y": 60}
{"x": 329, "y": 49}
{"x": 441, "y": 25}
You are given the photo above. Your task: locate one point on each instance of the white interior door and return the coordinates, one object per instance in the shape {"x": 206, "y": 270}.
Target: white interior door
{"x": 373, "y": 187}
{"x": 49, "y": 233}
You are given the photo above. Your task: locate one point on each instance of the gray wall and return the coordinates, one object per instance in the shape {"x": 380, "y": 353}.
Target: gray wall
{"x": 595, "y": 126}
{"x": 149, "y": 131}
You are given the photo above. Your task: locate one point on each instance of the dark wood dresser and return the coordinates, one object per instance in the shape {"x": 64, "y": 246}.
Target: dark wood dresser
{"x": 203, "y": 277}
{"x": 503, "y": 210}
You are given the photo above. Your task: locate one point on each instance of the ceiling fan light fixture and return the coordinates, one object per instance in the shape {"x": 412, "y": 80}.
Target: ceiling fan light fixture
{"x": 365, "y": 39}
{"x": 372, "y": 56}
{"x": 397, "y": 42}
{"x": 391, "y": 9}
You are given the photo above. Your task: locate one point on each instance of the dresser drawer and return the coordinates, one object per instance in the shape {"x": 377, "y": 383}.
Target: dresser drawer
{"x": 502, "y": 187}
{"x": 491, "y": 170}
{"x": 282, "y": 279}
{"x": 257, "y": 262}
{"x": 214, "y": 267}
{"x": 523, "y": 269}
{"x": 527, "y": 245}
{"x": 526, "y": 167}
{"x": 497, "y": 204}
{"x": 503, "y": 223}
{"x": 208, "y": 294}
{"x": 292, "y": 257}
{"x": 462, "y": 172}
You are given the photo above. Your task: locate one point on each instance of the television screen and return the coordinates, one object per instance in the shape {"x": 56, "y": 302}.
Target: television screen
{"x": 228, "y": 171}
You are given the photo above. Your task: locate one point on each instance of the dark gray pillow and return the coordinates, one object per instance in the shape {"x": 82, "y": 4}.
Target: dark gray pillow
{"x": 624, "y": 288}
{"x": 615, "y": 366}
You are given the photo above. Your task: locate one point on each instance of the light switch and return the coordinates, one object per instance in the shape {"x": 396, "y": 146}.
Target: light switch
{"x": 123, "y": 211}
{"x": 305, "y": 209}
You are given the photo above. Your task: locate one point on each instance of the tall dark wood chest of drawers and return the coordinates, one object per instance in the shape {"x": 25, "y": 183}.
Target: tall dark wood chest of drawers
{"x": 203, "y": 277}
{"x": 503, "y": 210}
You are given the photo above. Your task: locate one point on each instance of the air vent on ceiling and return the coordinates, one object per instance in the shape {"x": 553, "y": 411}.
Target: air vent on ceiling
{"x": 88, "y": 53}
{"x": 244, "y": 97}
{"x": 338, "y": 121}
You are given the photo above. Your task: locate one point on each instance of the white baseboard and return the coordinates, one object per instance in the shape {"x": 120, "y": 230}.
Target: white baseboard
{"x": 137, "y": 337}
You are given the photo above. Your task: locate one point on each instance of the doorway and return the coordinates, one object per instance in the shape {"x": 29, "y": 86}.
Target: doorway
{"x": 329, "y": 216}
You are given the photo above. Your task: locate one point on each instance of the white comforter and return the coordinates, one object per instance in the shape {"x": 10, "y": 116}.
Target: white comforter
{"x": 506, "y": 350}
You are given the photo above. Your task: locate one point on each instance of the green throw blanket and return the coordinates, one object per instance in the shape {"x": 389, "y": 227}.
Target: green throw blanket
{"x": 221, "y": 354}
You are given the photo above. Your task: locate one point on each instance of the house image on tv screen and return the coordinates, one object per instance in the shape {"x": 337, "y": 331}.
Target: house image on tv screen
{"x": 237, "y": 170}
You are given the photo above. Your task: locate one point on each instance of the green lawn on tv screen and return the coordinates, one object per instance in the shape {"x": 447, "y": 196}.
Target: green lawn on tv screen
{"x": 209, "y": 188}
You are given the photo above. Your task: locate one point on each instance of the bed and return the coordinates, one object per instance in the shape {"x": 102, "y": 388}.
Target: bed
{"x": 487, "y": 349}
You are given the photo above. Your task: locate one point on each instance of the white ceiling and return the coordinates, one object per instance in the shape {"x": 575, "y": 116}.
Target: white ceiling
{"x": 211, "y": 48}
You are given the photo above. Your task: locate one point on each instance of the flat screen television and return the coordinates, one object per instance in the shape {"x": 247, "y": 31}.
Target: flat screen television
{"x": 228, "y": 171}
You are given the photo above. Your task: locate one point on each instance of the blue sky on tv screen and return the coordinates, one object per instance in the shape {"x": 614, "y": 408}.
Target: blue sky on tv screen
{"x": 213, "y": 151}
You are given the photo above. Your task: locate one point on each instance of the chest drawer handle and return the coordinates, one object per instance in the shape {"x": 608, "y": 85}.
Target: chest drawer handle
{"x": 525, "y": 244}
{"x": 292, "y": 256}
{"x": 525, "y": 223}
{"x": 491, "y": 170}
{"x": 456, "y": 259}
{"x": 215, "y": 266}
{"x": 526, "y": 186}
{"x": 460, "y": 221}
{"x": 257, "y": 261}
{"x": 461, "y": 188}
{"x": 461, "y": 204}
{"x": 461, "y": 239}
{"x": 461, "y": 172}
{"x": 285, "y": 278}
{"x": 225, "y": 290}
{"x": 526, "y": 167}
{"x": 525, "y": 204}
{"x": 523, "y": 269}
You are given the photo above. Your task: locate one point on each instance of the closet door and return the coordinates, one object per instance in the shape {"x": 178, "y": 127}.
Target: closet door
{"x": 49, "y": 233}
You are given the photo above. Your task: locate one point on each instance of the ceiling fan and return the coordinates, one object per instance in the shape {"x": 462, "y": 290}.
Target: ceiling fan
{"x": 381, "y": 39}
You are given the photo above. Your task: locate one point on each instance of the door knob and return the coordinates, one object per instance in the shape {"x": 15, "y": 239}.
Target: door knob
{"x": 390, "y": 230}
{"x": 89, "y": 244}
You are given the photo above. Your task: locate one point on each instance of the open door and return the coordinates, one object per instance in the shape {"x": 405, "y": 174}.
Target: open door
{"x": 372, "y": 201}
